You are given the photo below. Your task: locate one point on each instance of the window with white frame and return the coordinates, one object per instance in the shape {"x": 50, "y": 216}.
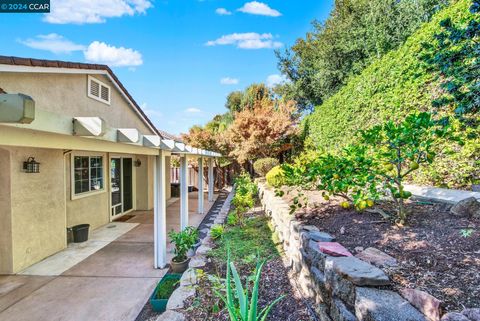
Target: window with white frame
{"x": 88, "y": 174}
{"x": 98, "y": 90}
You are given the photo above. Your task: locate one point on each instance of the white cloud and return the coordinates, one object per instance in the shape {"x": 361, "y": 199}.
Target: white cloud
{"x": 223, "y": 12}
{"x": 229, "y": 81}
{"x": 249, "y": 40}
{"x": 192, "y": 110}
{"x": 274, "y": 80}
{"x": 93, "y": 11}
{"x": 102, "y": 53}
{"x": 52, "y": 42}
{"x": 259, "y": 8}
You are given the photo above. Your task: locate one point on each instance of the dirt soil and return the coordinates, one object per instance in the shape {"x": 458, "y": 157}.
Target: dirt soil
{"x": 432, "y": 254}
{"x": 206, "y": 306}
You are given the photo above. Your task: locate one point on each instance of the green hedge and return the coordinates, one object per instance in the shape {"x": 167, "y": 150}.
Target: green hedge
{"x": 389, "y": 89}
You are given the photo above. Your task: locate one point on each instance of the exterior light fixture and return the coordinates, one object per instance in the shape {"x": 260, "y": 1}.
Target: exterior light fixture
{"x": 31, "y": 166}
{"x": 137, "y": 163}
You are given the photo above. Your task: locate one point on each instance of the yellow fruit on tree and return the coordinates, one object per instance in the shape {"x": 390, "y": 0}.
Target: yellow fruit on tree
{"x": 362, "y": 205}
{"x": 389, "y": 167}
{"x": 414, "y": 165}
{"x": 336, "y": 176}
{"x": 370, "y": 203}
{"x": 345, "y": 204}
{"x": 326, "y": 197}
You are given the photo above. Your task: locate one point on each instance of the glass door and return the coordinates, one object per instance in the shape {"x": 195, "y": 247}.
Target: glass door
{"x": 116, "y": 186}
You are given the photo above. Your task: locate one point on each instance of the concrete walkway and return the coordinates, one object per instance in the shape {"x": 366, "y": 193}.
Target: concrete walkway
{"x": 111, "y": 284}
{"x": 451, "y": 196}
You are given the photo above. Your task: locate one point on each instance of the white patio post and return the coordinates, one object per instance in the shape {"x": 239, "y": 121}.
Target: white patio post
{"x": 160, "y": 212}
{"x": 200, "y": 185}
{"x": 183, "y": 192}
{"x": 211, "y": 180}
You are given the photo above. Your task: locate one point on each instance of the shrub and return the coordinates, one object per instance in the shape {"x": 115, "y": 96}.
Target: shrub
{"x": 275, "y": 177}
{"x": 263, "y": 165}
{"x": 400, "y": 83}
{"x": 232, "y": 218}
{"x": 217, "y": 231}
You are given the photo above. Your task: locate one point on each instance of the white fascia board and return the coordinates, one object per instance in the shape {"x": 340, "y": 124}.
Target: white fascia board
{"x": 89, "y": 126}
{"x": 179, "y": 147}
{"x": 189, "y": 149}
{"x": 128, "y": 135}
{"x": 167, "y": 144}
{"x": 151, "y": 140}
{"x": 58, "y": 70}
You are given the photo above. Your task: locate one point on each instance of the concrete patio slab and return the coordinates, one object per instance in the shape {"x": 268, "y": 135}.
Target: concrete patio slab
{"x": 84, "y": 299}
{"x": 14, "y": 288}
{"x": 143, "y": 233}
{"x": 120, "y": 259}
{"x": 77, "y": 252}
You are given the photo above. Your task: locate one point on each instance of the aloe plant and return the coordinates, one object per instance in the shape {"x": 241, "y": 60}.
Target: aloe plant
{"x": 243, "y": 308}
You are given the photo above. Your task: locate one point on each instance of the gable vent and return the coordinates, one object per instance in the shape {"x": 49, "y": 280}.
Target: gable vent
{"x": 98, "y": 90}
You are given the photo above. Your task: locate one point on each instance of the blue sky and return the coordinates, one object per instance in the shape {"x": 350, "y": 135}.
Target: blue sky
{"x": 178, "y": 58}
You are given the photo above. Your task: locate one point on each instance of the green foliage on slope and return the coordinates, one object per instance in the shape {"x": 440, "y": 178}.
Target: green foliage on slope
{"x": 391, "y": 87}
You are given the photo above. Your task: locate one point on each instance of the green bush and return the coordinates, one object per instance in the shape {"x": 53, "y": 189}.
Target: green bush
{"x": 263, "y": 165}
{"x": 217, "y": 231}
{"x": 392, "y": 87}
{"x": 276, "y": 177}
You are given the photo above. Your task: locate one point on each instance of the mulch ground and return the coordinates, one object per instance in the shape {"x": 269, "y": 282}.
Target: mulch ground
{"x": 433, "y": 255}
{"x": 275, "y": 282}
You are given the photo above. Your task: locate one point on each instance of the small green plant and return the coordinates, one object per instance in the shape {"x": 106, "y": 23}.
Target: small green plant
{"x": 217, "y": 231}
{"x": 244, "y": 305}
{"x": 275, "y": 177}
{"x": 183, "y": 241}
{"x": 232, "y": 219}
{"x": 400, "y": 149}
{"x": 167, "y": 288}
{"x": 263, "y": 165}
{"x": 466, "y": 232}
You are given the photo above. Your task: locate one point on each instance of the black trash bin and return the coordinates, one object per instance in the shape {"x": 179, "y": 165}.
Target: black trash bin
{"x": 80, "y": 233}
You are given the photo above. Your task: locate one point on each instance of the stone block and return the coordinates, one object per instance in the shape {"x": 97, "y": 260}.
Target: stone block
{"x": 171, "y": 315}
{"x": 430, "y": 306}
{"x": 469, "y": 207}
{"x": 321, "y": 236}
{"x": 376, "y": 257}
{"x": 189, "y": 277}
{"x": 358, "y": 272}
{"x": 454, "y": 316}
{"x": 383, "y": 305}
{"x": 320, "y": 284}
{"x": 339, "y": 312}
{"x": 179, "y": 296}
{"x": 472, "y": 314}
{"x": 333, "y": 249}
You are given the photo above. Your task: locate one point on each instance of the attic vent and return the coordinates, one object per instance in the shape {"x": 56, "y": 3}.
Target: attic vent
{"x": 98, "y": 90}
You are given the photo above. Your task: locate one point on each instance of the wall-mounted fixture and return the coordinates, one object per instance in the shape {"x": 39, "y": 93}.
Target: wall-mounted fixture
{"x": 137, "y": 163}
{"x": 31, "y": 166}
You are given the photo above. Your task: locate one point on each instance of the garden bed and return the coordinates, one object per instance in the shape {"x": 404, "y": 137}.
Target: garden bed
{"x": 245, "y": 242}
{"x": 431, "y": 251}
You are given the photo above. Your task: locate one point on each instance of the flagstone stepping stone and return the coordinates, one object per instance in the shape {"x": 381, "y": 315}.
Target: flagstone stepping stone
{"x": 189, "y": 277}
{"x": 333, "y": 249}
{"x": 321, "y": 236}
{"x": 376, "y": 257}
{"x": 358, "y": 272}
{"x": 197, "y": 261}
{"x": 383, "y": 305}
{"x": 430, "y": 306}
{"x": 454, "y": 316}
{"x": 203, "y": 249}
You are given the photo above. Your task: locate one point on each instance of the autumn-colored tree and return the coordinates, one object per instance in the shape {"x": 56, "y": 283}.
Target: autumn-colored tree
{"x": 262, "y": 131}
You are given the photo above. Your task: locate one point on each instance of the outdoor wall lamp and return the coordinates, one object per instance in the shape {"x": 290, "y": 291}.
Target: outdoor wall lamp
{"x": 137, "y": 163}
{"x": 31, "y": 166}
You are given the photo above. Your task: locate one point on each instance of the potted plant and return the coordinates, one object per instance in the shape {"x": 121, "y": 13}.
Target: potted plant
{"x": 163, "y": 291}
{"x": 183, "y": 241}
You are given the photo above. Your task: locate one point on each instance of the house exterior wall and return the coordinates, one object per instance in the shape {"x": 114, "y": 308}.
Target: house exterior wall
{"x": 37, "y": 207}
{"x": 66, "y": 94}
{"x": 6, "y": 260}
{"x": 143, "y": 187}
{"x": 90, "y": 209}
